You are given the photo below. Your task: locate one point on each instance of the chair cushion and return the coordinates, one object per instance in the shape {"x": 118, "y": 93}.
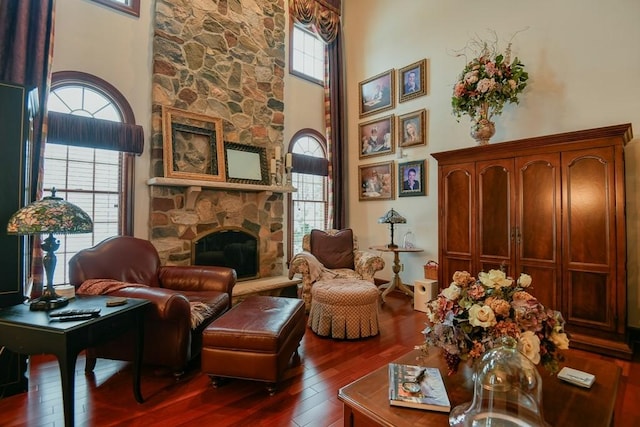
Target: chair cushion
{"x": 333, "y": 251}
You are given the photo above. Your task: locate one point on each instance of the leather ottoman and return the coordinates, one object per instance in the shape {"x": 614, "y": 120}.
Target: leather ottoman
{"x": 255, "y": 340}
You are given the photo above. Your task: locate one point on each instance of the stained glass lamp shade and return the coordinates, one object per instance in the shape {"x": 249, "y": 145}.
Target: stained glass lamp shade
{"x": 50, "y": 215}
{"x": 392, "y": 217}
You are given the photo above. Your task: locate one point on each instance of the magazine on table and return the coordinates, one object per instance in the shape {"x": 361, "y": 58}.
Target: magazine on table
{"x": 417, "y": 387}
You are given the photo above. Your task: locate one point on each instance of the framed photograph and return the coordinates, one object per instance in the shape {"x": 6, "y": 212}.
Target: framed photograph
{"x": 411, "y": 178}
{"x": 376, "y": 181}
{"x": 412, "y": 81}
{"x": 377, "y": 137}
{"x": 412, "y": 129}
{"x": 192, "y": 145}
{"x": 245, "y": 164}
{"x": 377, "y": 93}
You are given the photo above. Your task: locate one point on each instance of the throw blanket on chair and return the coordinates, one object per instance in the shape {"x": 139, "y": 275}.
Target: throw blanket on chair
{"x": 199, "y": 310}
{"x": 316, "y": 269}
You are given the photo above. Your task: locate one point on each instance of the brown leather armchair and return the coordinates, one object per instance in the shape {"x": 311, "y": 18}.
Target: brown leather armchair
{"x": 169, "y": 339}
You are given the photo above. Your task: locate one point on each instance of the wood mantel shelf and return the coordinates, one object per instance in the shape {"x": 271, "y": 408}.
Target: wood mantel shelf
{"x": 194, "y": 187}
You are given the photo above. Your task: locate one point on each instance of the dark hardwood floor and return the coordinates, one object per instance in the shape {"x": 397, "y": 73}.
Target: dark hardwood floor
{"x": 307, "y": 398}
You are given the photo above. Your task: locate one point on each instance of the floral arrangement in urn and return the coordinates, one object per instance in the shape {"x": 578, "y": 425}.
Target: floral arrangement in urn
{"x": 486, "y": 83}
{"x": 470, "y": 316}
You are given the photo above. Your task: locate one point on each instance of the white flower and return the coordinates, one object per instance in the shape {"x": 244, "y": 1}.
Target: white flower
{"x": 560, "y": 340}
{"x": 482, "y": 316}
{"x": 494, "y": 279}
{"x": 471, "y": 77}
{"x": 524, "y": 280}
{"x": 529, "y": 345}
{"x": 452, "y": 293}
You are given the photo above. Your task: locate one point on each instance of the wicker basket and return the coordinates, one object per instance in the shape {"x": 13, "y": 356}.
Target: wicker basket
{"x": 431, "y": 270}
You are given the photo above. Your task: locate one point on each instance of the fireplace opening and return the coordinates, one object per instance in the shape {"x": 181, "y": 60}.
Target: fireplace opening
{"x": 234, "y": 248}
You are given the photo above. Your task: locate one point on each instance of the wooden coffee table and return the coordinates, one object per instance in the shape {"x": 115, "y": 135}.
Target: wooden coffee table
{"x": 366, "y": 400}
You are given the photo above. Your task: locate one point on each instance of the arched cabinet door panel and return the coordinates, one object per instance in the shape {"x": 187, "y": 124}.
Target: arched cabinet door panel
{"x": 457, "y": 213}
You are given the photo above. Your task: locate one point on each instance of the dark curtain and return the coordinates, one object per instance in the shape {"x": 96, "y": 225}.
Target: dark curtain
{"x": 335, "y": 124}
{"x": 26, "y": 49}
{"x": 323, "y": 17}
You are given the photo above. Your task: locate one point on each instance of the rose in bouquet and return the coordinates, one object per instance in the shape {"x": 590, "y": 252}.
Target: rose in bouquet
{"x": 470, "y": 316}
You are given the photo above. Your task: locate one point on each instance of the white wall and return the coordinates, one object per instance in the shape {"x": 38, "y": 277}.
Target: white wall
{"x": 583, "y": 61}
{"x": 116, "y": 47}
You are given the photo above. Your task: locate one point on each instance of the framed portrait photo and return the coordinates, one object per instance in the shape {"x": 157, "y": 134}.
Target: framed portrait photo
{"x": 412, "y": 129}
{"x": 377, "y": 93}
{"x": 411, "y": 178}
{"x": 377, "y": 137}
{"x": 192, "y": 145}
{"x": 412, "y": 81}
{"x": 376, "y": 181}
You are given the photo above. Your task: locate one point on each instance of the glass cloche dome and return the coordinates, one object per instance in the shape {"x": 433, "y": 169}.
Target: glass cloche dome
{"x": 507, "y": 391}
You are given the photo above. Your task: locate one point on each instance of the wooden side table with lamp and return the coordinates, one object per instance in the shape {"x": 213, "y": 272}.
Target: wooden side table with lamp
{"x": 392, "y": 217}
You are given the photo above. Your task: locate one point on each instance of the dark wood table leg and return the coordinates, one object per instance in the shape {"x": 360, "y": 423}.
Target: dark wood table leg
{"x": 67, "y": 362}
{"x": 137, "y": 360}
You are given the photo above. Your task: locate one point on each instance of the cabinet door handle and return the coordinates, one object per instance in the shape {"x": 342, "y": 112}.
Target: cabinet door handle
{"x": 518, "y": 235}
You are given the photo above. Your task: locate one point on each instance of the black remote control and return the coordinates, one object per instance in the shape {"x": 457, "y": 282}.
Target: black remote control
{"x": 73, "y": 317}
{"x": 92, "y": 312}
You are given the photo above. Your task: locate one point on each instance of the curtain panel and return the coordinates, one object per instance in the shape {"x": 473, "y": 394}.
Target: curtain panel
{"x": 89, "y": 132}
{"x": 321, "y": 15}
{"x": 26, "y": 53}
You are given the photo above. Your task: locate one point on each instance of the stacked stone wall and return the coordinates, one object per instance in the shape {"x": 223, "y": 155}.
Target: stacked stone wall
{"x": 224, "y": 59}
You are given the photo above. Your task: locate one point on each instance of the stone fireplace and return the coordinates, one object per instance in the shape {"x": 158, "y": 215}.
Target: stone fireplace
{"x": 175, "y": 225}
{"x": 224, "y": 59}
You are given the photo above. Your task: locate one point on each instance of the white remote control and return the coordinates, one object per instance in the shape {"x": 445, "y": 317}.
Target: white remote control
{"x": 579, "y": 378}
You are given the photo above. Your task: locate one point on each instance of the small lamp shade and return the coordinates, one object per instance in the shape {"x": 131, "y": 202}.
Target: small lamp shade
{"x": 392, "y": 217}
{"x": 50, "y": 215}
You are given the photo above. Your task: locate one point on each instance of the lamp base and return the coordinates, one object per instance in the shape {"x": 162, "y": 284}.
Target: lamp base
{"x": 392, "y": 246}
{"x": 46, "y": 303}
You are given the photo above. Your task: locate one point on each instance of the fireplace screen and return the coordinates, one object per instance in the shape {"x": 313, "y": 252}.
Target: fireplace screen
{"x": 236, "y": 249}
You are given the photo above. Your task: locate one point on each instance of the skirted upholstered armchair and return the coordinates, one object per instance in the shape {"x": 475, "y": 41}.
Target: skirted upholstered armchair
{"x": 185, "y": 299}
{"x": 332, "y": 254}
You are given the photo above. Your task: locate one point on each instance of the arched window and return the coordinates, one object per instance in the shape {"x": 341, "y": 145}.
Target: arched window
{"x": 308, "y": 206}
{"x": 87, "y": 158}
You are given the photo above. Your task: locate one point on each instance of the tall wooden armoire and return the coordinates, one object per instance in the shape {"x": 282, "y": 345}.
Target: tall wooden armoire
{"x": 552, "y": 207}
{"x": 18, "y": 105}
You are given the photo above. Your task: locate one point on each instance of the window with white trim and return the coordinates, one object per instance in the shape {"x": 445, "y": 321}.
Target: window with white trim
{"x": 309, "y": 203}
{"x": 306, "y": 58}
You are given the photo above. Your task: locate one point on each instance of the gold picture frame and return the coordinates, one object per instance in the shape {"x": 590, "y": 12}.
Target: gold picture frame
{"x": 377, "y": 93}
{"x": 412, "y": 81}
{"x": 412, "y": 129}
{"x": 193, "y": 146}
{"x": 377, "y": 181}
{"x": 377, "y": 137}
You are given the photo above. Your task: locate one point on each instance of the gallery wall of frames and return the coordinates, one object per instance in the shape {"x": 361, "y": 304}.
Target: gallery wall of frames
{"x": 381, "y": 135}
